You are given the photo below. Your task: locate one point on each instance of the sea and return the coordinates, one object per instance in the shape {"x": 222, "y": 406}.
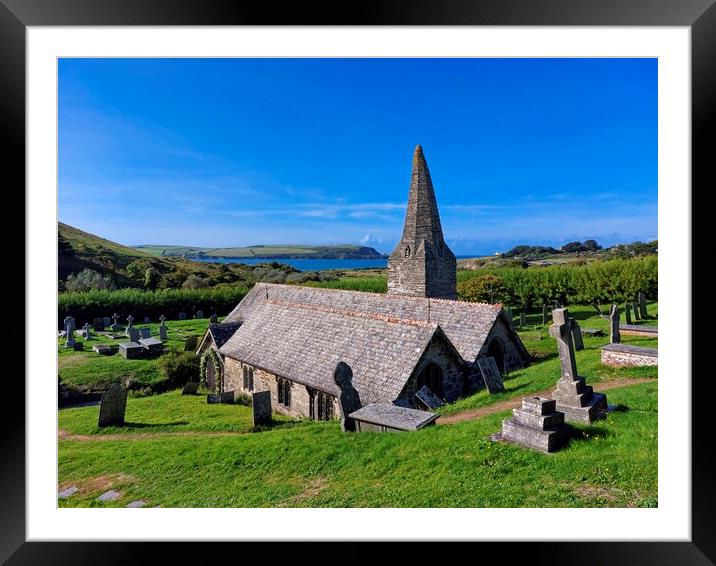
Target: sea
{"x": 311, "y": 264}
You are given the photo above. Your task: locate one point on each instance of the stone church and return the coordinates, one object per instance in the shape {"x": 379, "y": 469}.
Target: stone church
{"x": 289, "y": 339}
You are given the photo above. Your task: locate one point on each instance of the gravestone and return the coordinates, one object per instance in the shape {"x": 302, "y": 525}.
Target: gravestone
{"x": 182, "y": 316}
{"x": 227, "y": 397}
{"x": 86, "y": 334}
{"x": 544, "y": 314}
{"x": 349, "y": 399}
{"x": 627, "y": 312}
{"x": 107, "y": 321}
{"x": 614, "y": 336}
{"x": 508, "y": 315}
{"x": 131, "y": 350}
{"x": 145, "y": 332}
{"x": 537, "y": 425}
{"x": 113, "y": 406}
{"x": 576, "y": 334}
{"x": 574, "y": 397}
{"x": 214, "y": 318}
{"x": 62, "y": 334}
{"x": 152, "y": 345}
{"x": 102, "y": 349}
{"x": 428, "y": 398}
{"x": 69, "y": 323}
{"x": 130, "y": 320}
{"x": 98, "y": 324}
{"x": 490, "y": 374}
{"x": 642, "y": 306}
{"x": 261, "y": 405}
{"x": 147, "y": 320}
{"x": 132, "y": 333}
{"x": 190, "y": 343}
{"x": 635, "y": 308}
{"x": 163, "y": 333}
{"x": 115, "y": 325}
{"x": 213, "y": 398}
{"x": 523, "y": 321}
{"x": 199, "y": 314}
{"x": 70, "y": 343}
{"x": 190, "y": 388}
{"x": 78, "y": 346}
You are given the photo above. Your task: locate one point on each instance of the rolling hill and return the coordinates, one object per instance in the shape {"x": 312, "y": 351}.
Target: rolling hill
{"x": 341, "y": 251}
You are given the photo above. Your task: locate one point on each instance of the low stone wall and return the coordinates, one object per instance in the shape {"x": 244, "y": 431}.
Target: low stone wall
{"x": 636, "y": 330}
{"x": 620, "y": 355}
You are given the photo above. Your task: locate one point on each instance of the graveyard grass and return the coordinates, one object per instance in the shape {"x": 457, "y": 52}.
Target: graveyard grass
{"x": 177, "y": 451}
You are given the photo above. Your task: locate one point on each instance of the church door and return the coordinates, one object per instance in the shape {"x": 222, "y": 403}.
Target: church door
{"x": 210, "y": 375}
{"x": 432, "y": 376}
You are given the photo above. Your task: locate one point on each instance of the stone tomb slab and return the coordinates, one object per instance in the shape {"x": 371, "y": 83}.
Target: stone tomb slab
{"x": 131, "y": 350}
{"x": 103, "y": 349}
{"x": 136, "y": 504}
{"x": 491, "y": 374}
{"x": 110, "y": 495}
{"x": 386, "y": 417}
{"x": 152, "y": 345}
{"x": 113, "y": 406}
{"x": 428, "y": 398}
{"x": 625, "y": 355}
{"x": 68, "y": 492}
{"x": 639, "y": 330}
{"x": 261, "y": 405}
{"x": 592, "y": 332}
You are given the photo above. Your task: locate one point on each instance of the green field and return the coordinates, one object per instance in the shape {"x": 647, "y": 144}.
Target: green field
{"x": 260, "y": 251}
{"x": 177, "y": 451}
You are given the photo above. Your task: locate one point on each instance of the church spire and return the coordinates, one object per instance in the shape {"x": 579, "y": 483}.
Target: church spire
{"x": 422, "y": 265}
{"x": 422, "y": 220}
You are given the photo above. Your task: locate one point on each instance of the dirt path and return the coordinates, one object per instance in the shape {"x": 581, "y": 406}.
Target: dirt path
{"x": 470, "y": 414}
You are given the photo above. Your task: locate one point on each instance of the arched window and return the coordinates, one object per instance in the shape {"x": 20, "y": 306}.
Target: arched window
{"x": 407, "y": 251}
{"x": 432, "y": 376}
{"x": 497, "y": 351}
{"x": 324, "y": 407}
{"x": 284, "y": 392}
{"x": 251, "y": 379}
{"x": 246, "y": 378}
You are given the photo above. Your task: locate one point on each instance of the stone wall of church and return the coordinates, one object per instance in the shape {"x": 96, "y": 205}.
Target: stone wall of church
{"x": 267, "y": 381}
{"x": 418, "y": 276}
{"x": 438, "y": 353}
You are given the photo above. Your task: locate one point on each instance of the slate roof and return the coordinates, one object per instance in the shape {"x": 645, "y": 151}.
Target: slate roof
{"x": 466, "y": 325}
{"x": 387, "y": 414}
{"x": 222, "y": 331}
{"x": 305, "y": 341}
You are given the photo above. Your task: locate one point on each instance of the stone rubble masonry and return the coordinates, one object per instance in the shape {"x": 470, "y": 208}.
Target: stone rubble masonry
{"x": 639, "y": 330}
{"x": 537, "y": 425}
{"x": 620, "y": 355}
{"x": 422, "y": 264}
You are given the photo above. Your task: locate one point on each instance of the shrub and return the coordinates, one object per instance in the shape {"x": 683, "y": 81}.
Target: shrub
{"x": 487, "y": 288}
{"x": 195, "y": 282}
{"x": 180, "y": 367}
{"x": 88, "y": 280}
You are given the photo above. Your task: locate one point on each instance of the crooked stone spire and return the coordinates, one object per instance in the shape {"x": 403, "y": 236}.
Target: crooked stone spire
{"x": 422, "y": 265}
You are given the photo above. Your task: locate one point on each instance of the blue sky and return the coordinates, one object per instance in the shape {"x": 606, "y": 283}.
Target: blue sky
{"x": 233, "y": 152}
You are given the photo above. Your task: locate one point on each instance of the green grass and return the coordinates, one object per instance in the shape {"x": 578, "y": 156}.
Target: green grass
{"x": 316, "y": 465}
{"x": 90, "y": 371}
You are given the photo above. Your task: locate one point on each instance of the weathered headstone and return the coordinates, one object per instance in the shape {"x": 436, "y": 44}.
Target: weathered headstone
{"x": 227, "y": 397}
{"x": 428, "y": 398}
{"x": 537, "y": 425}
{"x": 182, "y": 316}
{"x": 131, "y": 350}
{"x": 214, "y": 318}
{"x": 106, "y": 321}
{"x": 576, "y": 334}
{"x": 147, "y": 320}
{"x": 68, "y": 492}
{"x": 642, "y": 306}
{"x": 635, "y": 308}
{"x": 133, "y": 334}
{"x": 116, "y": 327}
{"x": 523, "y": 320}
{"x": 69, "y": 323}
{"x": 614, "y": 336}
{"x": 261, "y": 405}
{"x": 152, "y": 345}
{"x": 163, "y": 328}
{"x": 113, "y": 406}
{"x": 78, "y": 346}
{"x": 544, "y": 314}
{"x": 213, "y": 398}
{"x": 349, "y": 399}
{"x": 145, "y": 332}
{"x": 86, "y": 334}
{"x": 98, "y": 324}
{"x": 574, "y": 397}
{"x": 490, "y": 374}
{"x": 508, "y": 315}
{"x": 627, "y": 312}
{"x": 130, "y": 320}
{"x": 190, "y": 388}
{"x": 199, "y": 314}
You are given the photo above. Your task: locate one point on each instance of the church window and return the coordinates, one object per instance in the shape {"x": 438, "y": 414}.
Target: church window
{"x": 284, "y": 392}
{"x": 248, "y": 378}
{"x": 407, "y": 251}
{"x": 324, "y": 407}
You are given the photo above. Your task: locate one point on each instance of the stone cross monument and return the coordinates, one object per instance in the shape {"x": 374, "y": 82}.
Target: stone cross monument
{"x": 574, "y": 397}
{"x": 349, "y": 399}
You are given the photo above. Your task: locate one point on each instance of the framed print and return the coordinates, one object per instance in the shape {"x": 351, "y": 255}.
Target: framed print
{"x": 386, "y": 276}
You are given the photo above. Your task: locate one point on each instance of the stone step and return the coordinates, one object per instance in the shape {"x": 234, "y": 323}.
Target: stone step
{"x": 542, "y": 440}
{"x": 592, "y": 411}
{"x": 578, "y": 400}
{"x": 551, "y": 421}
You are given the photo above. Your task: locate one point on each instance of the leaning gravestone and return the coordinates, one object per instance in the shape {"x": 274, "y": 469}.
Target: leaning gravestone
{"x": 182, "y": 316}
{"x": 576, "y": 334}
{"x": 490, "y": 374}
{"x": 614, "y": 336}
{"x": 574, "y": 397}
{"x": 190, "y": 388}
{"x": 199, "y": 314}
{"x": 113, "y": 406}
{"x": 349, "y": 399}
{"x": 428, "y": 398}
{"x": 86, "y": 334}
{"x": 133, "y": 334}
{"x": 627, "y": 312}
{"x": 261, "y": 405}
{"x": 116, "y": 327}
{"x": 642, "y": 306}
{"x": 635, "y": 308}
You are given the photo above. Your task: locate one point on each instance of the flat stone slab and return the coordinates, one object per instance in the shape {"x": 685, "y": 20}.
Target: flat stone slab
{"x": 102, "y": 349}
{"x": 428, "y": 398}
{"x": 393, "y": 417}
{"x": 65, "y": 493}
{"x": 138, "y": 503}
{"x": 110, "y": 495}
{"x": 622, "y": 355}
{"x": 152, "y": 344}
{"x": 592, "y": 332}
{"x": 638, "y": 330}
{"x": 131, "y": 350}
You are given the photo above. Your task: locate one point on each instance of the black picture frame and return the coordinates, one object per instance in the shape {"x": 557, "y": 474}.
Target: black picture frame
{"x": 698, "y": 15}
